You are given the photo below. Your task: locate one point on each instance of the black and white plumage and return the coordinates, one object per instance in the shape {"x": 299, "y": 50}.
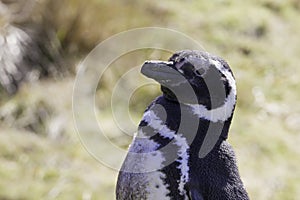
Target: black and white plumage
{"x": 165, "y": 159}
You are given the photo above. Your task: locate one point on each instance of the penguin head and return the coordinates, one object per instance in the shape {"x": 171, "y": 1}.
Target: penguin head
{"x": 194, "y": 77}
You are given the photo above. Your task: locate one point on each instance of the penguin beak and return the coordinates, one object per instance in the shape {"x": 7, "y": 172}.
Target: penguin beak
{"x": 161, "y": 71}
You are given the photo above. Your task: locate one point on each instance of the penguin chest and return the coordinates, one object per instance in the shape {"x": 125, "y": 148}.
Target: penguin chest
{"x": 156, "y": 166}
{"x": 141, "y": 177}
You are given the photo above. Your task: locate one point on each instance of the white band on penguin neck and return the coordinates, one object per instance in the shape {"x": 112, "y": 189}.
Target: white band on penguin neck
{"x": 223, "y": 112}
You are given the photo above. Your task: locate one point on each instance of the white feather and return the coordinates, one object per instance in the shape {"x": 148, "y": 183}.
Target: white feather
{"x": 151, "y": 160}
{"x": 157, "y": 124}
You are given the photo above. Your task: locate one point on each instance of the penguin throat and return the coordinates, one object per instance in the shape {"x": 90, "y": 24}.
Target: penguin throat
{"x": 168, "y": 94}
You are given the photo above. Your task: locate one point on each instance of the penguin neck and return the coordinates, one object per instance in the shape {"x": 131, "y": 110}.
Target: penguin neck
{"x": 197, "y": 129}
{"x": 209, "y": 133}
{"x": 182, "y": 120}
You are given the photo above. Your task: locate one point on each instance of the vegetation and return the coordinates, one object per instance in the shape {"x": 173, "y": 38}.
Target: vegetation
{"x": 41, "y": 154}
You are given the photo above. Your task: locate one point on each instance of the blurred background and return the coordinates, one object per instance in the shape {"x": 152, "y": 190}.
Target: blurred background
{"x": 42, "y": 42}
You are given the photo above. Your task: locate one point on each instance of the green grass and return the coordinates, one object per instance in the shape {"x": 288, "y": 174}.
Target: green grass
{"x": 42, "y": 157}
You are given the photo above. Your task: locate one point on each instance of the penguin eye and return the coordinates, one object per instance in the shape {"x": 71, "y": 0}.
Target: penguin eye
{"x": 187, "y": 68}
{"x": 200, "y": 72}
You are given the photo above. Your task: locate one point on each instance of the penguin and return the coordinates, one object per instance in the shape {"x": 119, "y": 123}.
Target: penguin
{"x": 180, "y": 150}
